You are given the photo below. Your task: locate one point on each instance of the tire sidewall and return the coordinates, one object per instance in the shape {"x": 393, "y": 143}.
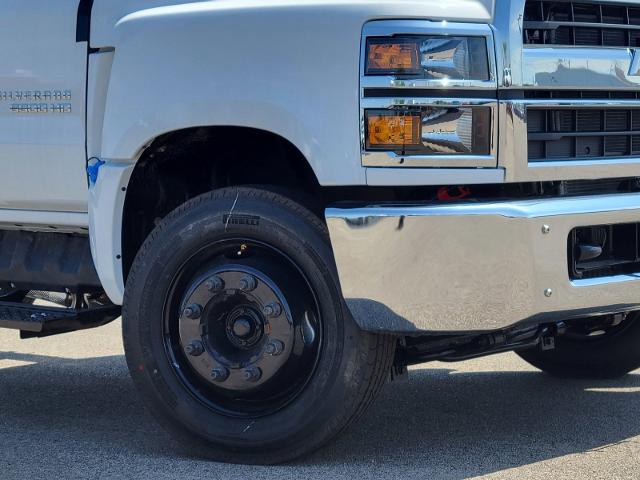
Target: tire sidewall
{"x": 167, "y": 248}
{"x": 611, "y": 356}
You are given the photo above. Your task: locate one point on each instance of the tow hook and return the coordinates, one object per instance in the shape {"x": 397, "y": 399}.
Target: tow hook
{"x": 548, "y": 337}
{"x": 547, "y": 342}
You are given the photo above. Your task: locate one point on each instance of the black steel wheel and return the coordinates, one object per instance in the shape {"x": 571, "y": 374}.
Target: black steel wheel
{"x": 236, "y": 333}
{"x": 242, "y": 327}
{"x": 602, "y": 347}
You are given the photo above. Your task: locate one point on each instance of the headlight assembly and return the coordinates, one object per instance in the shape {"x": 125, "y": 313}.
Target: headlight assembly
{"x": 436, "y": 130}
{"x": 433, "y": 57}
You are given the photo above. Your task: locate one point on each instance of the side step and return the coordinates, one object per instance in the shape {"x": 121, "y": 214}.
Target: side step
{"x": 39, "y": 321}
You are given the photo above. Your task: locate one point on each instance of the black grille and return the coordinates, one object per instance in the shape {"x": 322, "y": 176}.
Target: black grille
{"x": 596, "y": 187}
{"x": 583, "y": 94}
{"x": 586, "y": 133}
{"x": 575, "y": 23}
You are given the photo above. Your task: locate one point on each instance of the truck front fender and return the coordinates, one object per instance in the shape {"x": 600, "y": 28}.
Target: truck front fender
{"x": 290, "y": 67}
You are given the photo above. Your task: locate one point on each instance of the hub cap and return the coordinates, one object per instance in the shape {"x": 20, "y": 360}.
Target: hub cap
{"x": 234, "y": 331}
{"x": 243, "y": 331}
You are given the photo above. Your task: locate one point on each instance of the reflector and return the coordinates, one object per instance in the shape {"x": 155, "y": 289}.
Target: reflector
{"x": 392, "y": 56}
{"x": 392, "y": 130}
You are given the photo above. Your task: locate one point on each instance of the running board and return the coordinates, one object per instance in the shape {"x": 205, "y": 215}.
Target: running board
{"x": 37, "y": 321}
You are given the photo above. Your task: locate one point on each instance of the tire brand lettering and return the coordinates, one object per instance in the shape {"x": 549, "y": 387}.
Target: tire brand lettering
{"x": 235, "y": 219}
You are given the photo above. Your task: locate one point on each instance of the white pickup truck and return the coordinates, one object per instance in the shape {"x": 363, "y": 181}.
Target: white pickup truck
{"x": 290, "y": 201}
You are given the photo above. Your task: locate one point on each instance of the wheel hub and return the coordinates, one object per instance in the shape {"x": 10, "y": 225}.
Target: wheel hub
{"x": 244, "y": 328}
{"x": 241, "y": 328}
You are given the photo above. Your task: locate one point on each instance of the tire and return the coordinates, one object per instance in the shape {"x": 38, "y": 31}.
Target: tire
{"x": 611, "y": 355}
{"x": 337, "y": 369}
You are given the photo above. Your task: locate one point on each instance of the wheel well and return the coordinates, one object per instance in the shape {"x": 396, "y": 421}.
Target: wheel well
{"x": 181, "y": 165}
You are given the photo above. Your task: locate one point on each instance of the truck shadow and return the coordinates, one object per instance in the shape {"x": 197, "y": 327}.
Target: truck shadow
{"x": 440, "y": 423}
{"x": 449, "y": 424}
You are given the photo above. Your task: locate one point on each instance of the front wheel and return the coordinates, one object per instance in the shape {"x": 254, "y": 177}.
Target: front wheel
{"x": 601, "y": 348}
{"x": 236, "y": 333}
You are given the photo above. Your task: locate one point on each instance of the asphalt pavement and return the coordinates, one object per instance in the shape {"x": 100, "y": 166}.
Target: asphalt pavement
{"x": 69, "y": 410}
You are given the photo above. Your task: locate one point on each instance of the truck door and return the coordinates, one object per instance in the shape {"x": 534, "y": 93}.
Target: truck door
{"x": 42, "y": 106}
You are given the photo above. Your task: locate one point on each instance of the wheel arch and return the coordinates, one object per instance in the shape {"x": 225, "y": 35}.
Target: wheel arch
{"x": 199, "y": 64}
{"x": 128, "y": 198}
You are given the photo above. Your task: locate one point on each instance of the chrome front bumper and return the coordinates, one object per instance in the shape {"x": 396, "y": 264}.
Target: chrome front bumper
{"x": 474, "y": 266}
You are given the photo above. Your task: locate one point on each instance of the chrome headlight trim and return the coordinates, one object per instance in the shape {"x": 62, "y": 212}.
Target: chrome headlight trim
{"x": 389, "y": 28}
{"x": 370, "y": 98}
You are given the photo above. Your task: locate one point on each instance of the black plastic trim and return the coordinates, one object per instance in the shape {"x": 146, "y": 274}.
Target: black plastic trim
{"x": 427, "y": 93}
{"x": 83, "y": 25}
{"x": 49, "y": 261}
{"x": 511, "y": 94}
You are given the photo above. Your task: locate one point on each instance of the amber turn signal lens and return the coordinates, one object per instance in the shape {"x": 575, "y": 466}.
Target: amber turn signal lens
{"x": 388, "y": 56}
{"x": 392, "y": 131}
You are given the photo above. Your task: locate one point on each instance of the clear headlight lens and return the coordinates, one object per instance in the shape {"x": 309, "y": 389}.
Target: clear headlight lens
{"x": 435, "y": 57}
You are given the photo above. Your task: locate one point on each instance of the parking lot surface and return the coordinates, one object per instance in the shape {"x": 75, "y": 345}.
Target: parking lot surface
{"x": 69, "y": 410}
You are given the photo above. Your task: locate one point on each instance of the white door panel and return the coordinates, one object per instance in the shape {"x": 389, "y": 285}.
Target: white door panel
{"x": 42, "y": 107}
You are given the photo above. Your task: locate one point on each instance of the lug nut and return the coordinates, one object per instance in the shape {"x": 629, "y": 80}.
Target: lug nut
{"x": 195, "y": 348}
{"x": 214, "y": 284}
{"x": 274, "y": 347}
{"x": 252, "y": 374}
{"x": 548, "y": 292}
{"x": 248, "y": 283}
{"x": 219, "y": 374}
{"x": 192, "y": 311}
{"x": 272, "y": 310}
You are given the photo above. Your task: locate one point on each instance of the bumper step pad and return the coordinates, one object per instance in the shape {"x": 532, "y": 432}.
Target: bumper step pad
{"x": 38, "y": 321}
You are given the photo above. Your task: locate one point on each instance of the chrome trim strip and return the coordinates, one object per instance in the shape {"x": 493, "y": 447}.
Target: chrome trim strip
{"x": 473, "y": 266}
{"x": 579, "y": 103}
{"x": 603, "y": 68}
{"x": 512, "y": 151}
{"x": 391, "y": 159}
{"x": 385, "y": 28}
{"x": 529, "y": 209}
{"x": 386, "y": 81}
{"x": 587, "y": 282}
{"x": 508, "y": 32}
{"x": 373, "y": 102}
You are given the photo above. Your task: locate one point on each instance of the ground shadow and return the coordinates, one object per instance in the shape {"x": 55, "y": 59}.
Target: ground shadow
{"x": 441, "y": 423}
